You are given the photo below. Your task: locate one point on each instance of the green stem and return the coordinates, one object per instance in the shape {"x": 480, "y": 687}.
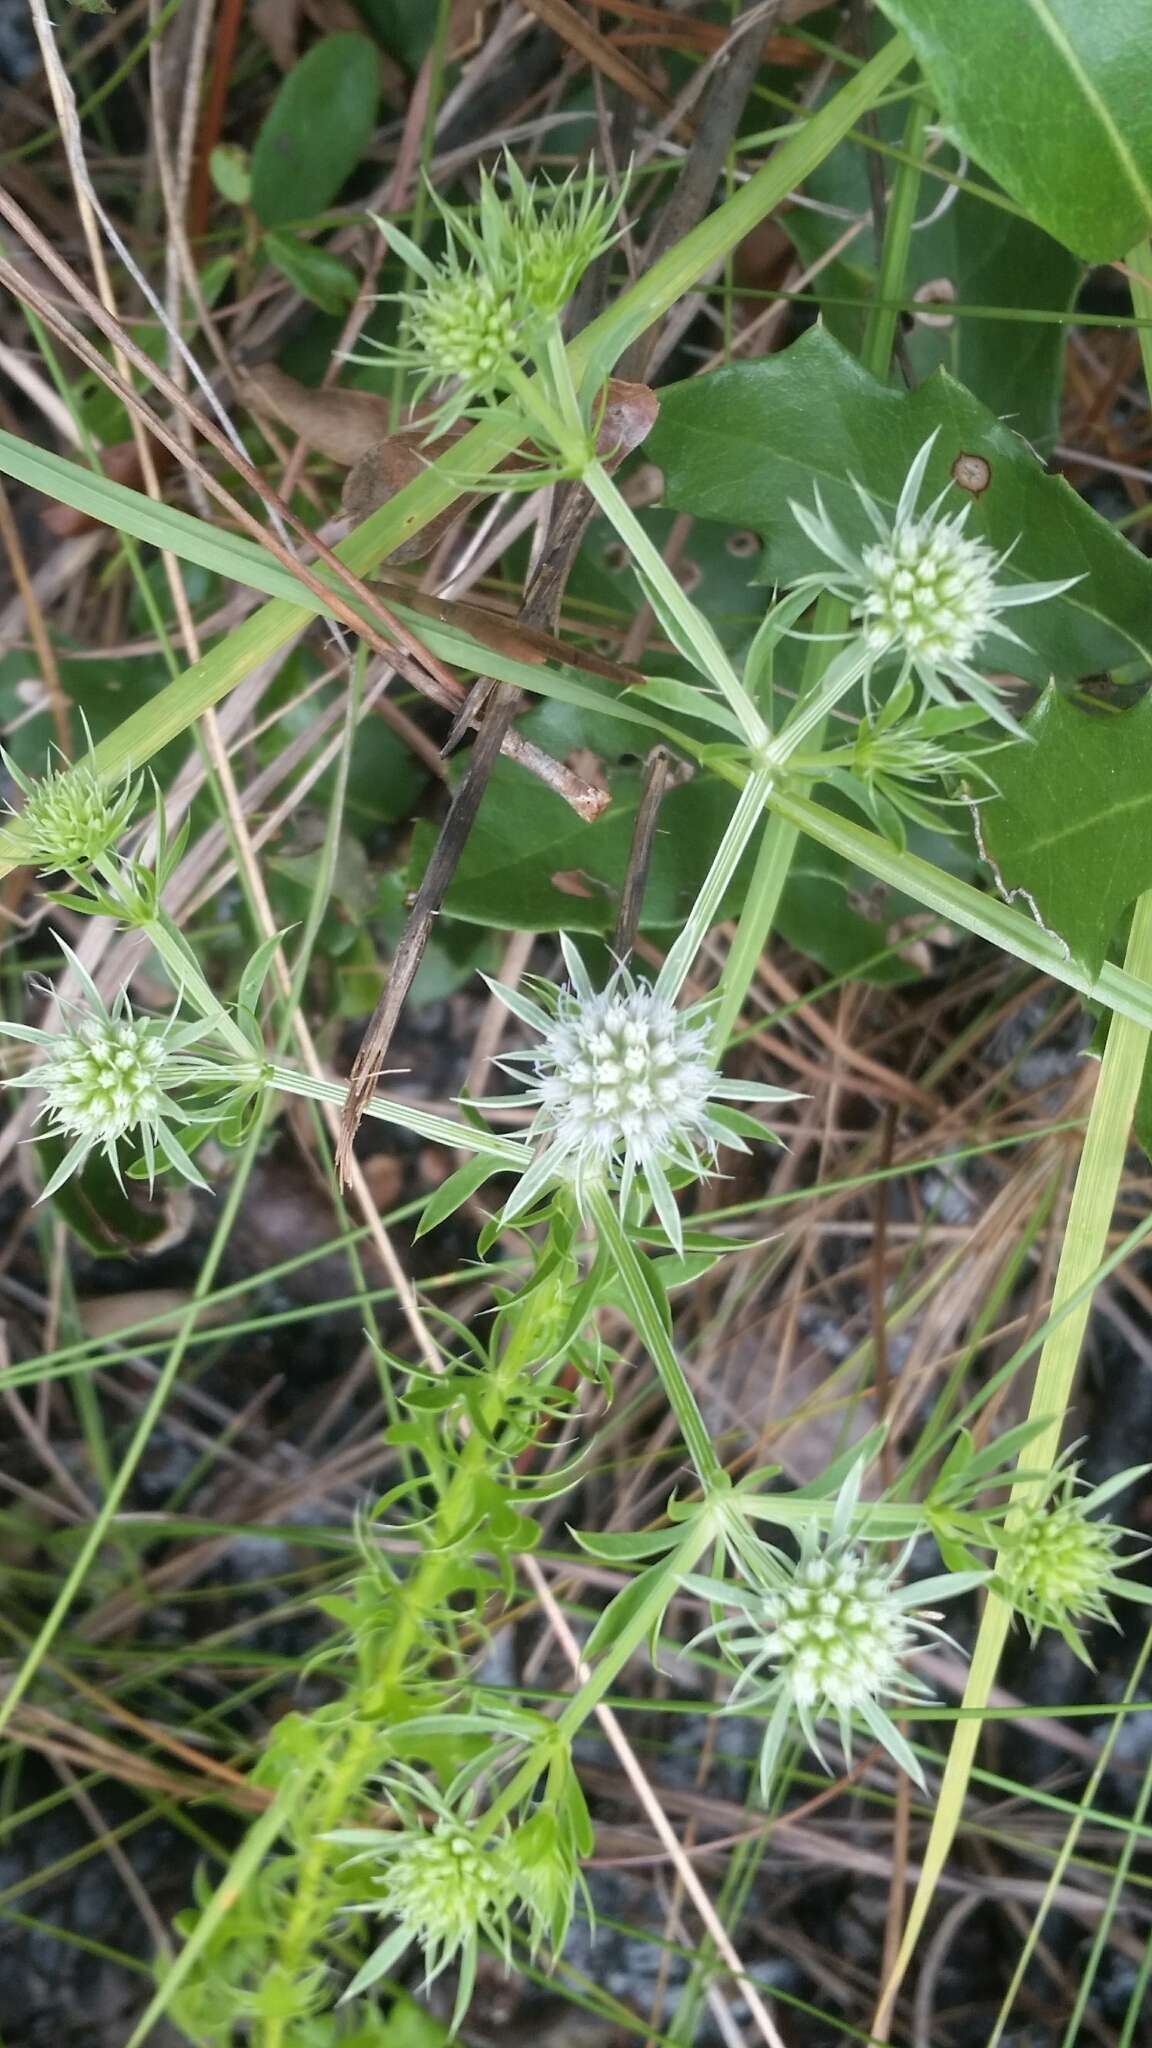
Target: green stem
{"x": 701, "y": 1532}
{"x": 188, "y": 980}
{"x": 769, "y": 876}
{"x": 442, "y": 1130}
{"x": 813, "y": 705}
{"x": 819, "y": 687}
{"x": 534, "y": 1327}
{"x": 977, "y": 911}
{"x": 1081, "y": 1256}
{"x": 697, "y": 633}
{"x": 884, "y": 312}
{"x": 705, "y": 910}
{"x": 777, "y": 846}
{"x": 645, "y": 1311}
{"x": 567, "y": 443}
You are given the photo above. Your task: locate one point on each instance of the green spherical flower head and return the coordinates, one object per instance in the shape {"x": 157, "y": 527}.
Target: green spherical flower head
{"x": 67, "y": 820}
{"x": 108, "y": 1076}
{"x": 442, "y": 1887}
{"x": 454, "y": 1883}
{"x": 1057, "y": 1562}
{"x": 624, "y": 1085}
{"x": 829, "y": 1636}
{"x": 931, "y": 590}
{"x": 463, "y": 328}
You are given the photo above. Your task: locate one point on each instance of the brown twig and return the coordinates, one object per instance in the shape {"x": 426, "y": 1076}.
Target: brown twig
{"x": 540, "y": 609}
{"x": 640, "y": 852}
{"x": 579, "y": 33}
{"x": 227, "y": 29}
{"x": 733, "y": 70}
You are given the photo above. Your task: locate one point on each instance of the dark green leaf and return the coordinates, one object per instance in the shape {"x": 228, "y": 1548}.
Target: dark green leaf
{"x": 966, "y": 250}
{"x": 626, "y": 1548}
{"x": 818, "y": 917}
{"x": 405, "y": 27}
{"x": 738, "y": 444}
{"x": 1054, "y": 97}
{"x": 452, "y": 1193}
{"x": 993, "y": 258}
{"x": 316, "y": 274}
{"x": 316, "y": 131}
{"x": 256, "y": 974}
{"x": 1071, "y": 828}
{"x": 104, "y": 1215}
{"x": 626, "y": 1605}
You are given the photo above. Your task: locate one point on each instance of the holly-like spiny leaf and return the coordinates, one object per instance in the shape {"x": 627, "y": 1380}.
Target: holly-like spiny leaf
{"x": 737, "y": 444}
{"x": 1071, "y": 826}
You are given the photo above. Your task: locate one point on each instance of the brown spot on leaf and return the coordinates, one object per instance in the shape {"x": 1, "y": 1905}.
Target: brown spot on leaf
{"x": 938, "y": 291}
{"x": 972, "y": 473}
{"x": 743, "y": 545}
{"x": 571, "y": 882}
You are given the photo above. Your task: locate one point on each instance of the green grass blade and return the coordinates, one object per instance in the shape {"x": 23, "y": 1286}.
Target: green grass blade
{"x": 259, "y": 638}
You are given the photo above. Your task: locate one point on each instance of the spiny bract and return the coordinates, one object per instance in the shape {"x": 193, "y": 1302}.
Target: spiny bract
{"x": 1057, "y": 1563}
{"x": 924, "y": 590}
{"x": 68, "y": 819}
{"x": 625, "y": 1086}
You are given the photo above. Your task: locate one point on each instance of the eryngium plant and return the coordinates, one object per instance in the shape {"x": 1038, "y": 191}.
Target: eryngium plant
{"x": 829, "y": 1635}
{"x": 625, "y": 1087}
{"x": 1057, "y": 1563}
{"x": 488, "y": 306}
{"x": 68, "y": 819}
{"x": 450, "y": 1879}
{"x": 110, "y": 1081}
{"x": 924, "y": 591}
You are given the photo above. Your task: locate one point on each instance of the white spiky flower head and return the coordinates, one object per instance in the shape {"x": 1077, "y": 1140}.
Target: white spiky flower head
{"x": 109, "y": 1078}
{"x": 924, "y": 590}
{"x": 626, "y": 1089}
{"x": 1057, "y": 1563}
{"x": 829, "y": 1635}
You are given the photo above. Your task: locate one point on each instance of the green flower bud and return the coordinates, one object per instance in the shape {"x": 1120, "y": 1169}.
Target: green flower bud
{"x": 443, "y": 1887}
{"x": 1057, "y": 1564}
{"x": 553, "y": 233}
{"x": 486, "y": 312}
{"x": 461, "y": 327}
{"x": 544, "y": 1877}
{"x": 68, "y": 819}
